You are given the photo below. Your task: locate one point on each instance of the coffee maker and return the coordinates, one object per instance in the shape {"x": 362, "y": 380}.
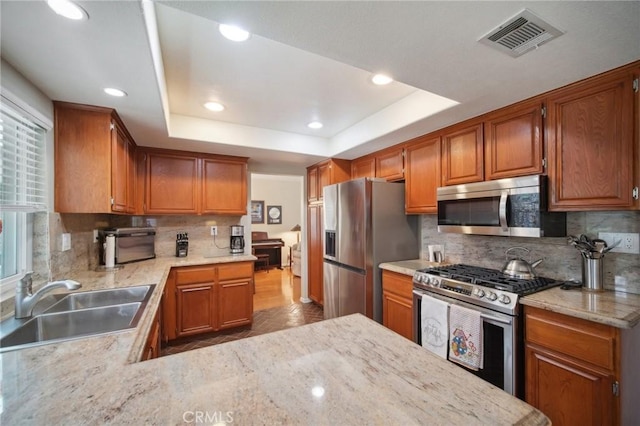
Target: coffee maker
{"x": 237, "y": 239}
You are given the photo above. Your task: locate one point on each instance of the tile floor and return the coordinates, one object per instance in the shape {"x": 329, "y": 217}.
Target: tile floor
{"x": 264, "y": 321}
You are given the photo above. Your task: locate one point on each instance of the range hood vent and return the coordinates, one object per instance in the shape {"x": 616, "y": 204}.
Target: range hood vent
{"x": 518, "y": 35}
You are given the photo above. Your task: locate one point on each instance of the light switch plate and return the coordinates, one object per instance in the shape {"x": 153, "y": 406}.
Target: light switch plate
{"x": 66, "y": 242}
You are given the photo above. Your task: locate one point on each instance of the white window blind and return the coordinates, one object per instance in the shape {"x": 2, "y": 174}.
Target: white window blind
{"x": 22, "y": 162}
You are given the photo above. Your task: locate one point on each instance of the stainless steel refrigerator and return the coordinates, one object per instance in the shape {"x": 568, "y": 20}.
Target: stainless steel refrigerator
{"x": 364, "y": 225}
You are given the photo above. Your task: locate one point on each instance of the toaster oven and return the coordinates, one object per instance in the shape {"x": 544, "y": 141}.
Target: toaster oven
{"x": 132, "y": 244}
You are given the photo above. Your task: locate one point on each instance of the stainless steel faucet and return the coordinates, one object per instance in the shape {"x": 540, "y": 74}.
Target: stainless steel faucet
{"x": 26, "y": 300}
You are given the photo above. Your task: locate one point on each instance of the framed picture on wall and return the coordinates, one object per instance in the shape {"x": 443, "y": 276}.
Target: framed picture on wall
{"x": 257, "y": 211}
{"x": 274, "y": 215}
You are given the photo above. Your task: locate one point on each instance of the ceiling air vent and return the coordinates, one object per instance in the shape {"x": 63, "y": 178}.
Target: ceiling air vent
{"x": 520, "y": 34}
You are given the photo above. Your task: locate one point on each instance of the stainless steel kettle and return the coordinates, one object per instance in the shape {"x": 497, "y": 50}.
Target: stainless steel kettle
{"x": 517, "y": 267}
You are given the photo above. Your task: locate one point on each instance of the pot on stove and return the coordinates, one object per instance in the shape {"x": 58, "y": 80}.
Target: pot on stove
{"x": 517, "y": 267}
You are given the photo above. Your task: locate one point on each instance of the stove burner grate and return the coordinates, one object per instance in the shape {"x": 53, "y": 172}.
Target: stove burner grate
{"x": 492, "y": 278}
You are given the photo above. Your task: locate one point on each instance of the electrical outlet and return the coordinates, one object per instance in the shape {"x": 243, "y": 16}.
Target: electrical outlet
{"x": 629, "y": 242}
{"x": 66, "y": 242}
{"x": 214, "y": 230}
{"x": 95, "y": 235}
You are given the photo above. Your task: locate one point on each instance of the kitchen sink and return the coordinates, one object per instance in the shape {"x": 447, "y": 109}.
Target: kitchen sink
{"x": 79, "y": 315}
{"x": 98, "y": 298}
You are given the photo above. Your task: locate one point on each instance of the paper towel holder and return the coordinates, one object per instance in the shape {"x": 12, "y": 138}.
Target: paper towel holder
{"x": 107, "y": 265}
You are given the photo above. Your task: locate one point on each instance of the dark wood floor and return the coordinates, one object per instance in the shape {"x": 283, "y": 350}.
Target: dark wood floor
{"x": 276, "y": 306}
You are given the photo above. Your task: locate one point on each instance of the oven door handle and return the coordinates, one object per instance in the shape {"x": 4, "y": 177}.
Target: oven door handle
{"x": 502, "y": 212}
{"x": 482, "y": 315}
{"x": 500, "y": 320}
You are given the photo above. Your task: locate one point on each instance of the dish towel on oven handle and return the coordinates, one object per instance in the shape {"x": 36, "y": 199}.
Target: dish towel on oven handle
{"x": 465, "y": 337}
{"x": 434, "y": 316}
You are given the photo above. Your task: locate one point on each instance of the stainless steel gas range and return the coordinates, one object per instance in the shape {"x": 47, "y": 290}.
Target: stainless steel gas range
{"x": 496, "y": 296}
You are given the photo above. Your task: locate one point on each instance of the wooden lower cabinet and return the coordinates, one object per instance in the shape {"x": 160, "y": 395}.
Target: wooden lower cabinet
{"x": 572, "y": 367}
{"x": 235, "y": 291}
{"x": 195, "y": 311}
{"x": 569, "y": 392}
{"x": 202, "y": 299}
{"x": 397, "y": 303}
{"x": 154, "y": 339}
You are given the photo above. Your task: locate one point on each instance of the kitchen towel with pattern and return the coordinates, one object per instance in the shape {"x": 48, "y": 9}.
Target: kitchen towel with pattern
{"x": 434, "y": 316}
{"x": 465, "y": 337}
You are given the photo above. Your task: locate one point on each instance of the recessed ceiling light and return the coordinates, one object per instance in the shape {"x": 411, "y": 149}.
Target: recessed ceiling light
{"x": 233, "y": 33}
{"x": 315, "y": 125}
{"x": 68, "y": 9}
{"x": 214, "y": 106}
{"x": 381, "y": 79}
{"x": 115, "y": 92}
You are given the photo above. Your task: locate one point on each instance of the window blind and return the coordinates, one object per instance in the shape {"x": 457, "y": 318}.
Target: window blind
{"x": 22, "y": 162}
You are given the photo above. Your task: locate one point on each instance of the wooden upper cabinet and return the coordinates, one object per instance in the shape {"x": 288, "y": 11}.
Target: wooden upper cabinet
{"x": 513, "y": 141}
{"x": 123, "y": 171}
{"x": 94, "y": 160}
{"x": 324, "y": 177}
{"x": 386, "y": 164}
{"x": 390, "y": 164}
{"x": 363, "y": 167}
{"x": 224, "y": 186}
{"x": 422, "y": 175}
{"x": 179, "y": 182}
{"x": 590, "y": 134}
{"x": 462, "y": 154}
{"x": 326, "y": 173}
{"x": 172, "y": 183}
{"x": 312, "y": 185}
{"x": 119, "y": 165}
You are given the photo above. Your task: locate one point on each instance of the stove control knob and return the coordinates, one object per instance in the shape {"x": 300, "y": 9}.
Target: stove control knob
{"x": 434, "y": 282}
{"x": 505, "y": 299}
{"x": 479, "y": 292}
{"x": 417, "y": 278}
{"x": 492, "y": 296}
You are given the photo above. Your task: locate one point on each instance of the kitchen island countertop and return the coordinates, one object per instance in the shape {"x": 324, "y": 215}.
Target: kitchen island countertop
{"x": 349, "y": 370}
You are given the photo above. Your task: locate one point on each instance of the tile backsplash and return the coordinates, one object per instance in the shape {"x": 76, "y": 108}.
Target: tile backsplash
{"x": 84, "y": 252}
{"x": 561, "y": 261}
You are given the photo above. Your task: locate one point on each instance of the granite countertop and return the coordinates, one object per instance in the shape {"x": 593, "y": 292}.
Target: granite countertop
{"x": 408, "y": 267}
{"x": 618, "y": 309}
{"x": 613, "y": 308}
{"x": 349, "y": 369}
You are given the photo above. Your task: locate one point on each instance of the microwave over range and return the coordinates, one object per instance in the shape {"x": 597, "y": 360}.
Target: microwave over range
{"x": 514, "y": 207}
